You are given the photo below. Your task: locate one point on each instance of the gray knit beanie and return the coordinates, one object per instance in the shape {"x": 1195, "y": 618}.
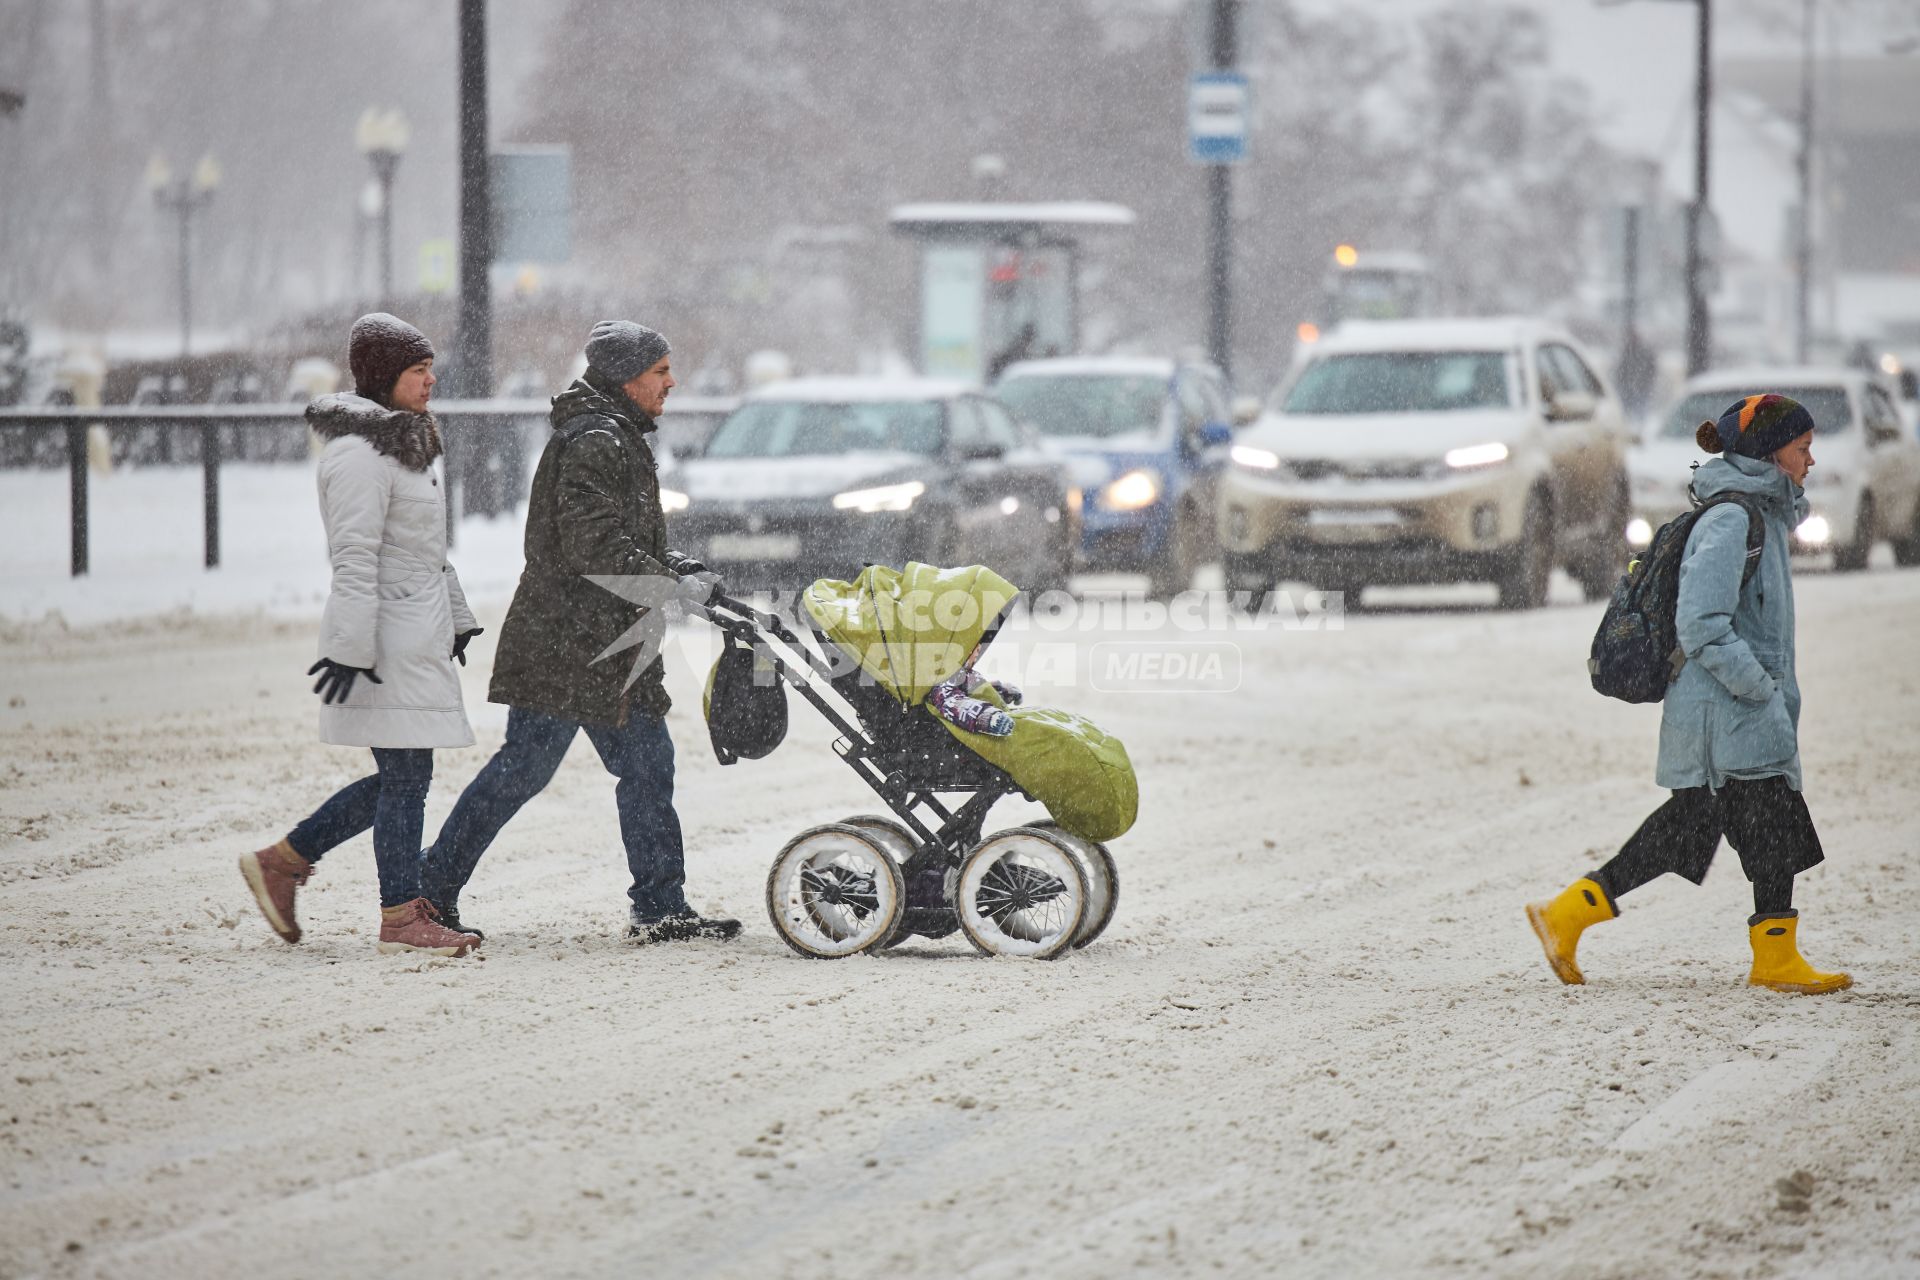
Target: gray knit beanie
{"x": 622, "y": 350}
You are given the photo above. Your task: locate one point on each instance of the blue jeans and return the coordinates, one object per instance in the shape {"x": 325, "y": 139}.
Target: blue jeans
{"x": 638, "y": 753}
{"x": 394, "y": 803}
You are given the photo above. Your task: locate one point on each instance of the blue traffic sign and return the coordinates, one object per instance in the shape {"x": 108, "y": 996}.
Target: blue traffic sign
{"x": 1217, "y": 110}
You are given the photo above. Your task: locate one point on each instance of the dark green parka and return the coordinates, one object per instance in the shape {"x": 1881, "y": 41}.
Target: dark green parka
{"x": 595, "y": 509}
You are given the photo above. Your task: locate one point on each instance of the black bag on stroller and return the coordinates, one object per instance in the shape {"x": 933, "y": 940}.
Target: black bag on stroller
{"x": 745, "y": 703}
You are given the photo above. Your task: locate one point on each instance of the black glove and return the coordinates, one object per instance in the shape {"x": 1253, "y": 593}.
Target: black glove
{"x": 700, "y": 587}
{"x": 336, "y": 679}
{"x": 459, "y": 653}
{"x": 682, "y": 564}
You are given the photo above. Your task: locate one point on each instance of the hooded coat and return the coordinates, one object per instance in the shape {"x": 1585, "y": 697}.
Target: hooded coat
{"x": 594, "y": 510}
{"x": 395, "y": 605}
{"x": 1734, "y": 709}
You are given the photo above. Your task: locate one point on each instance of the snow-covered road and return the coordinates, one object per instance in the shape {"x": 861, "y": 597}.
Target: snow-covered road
{"x": 1318, "y": 1040}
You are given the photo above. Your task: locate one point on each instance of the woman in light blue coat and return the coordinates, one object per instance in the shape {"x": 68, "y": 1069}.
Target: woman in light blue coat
{"x": 1729, "y": 726}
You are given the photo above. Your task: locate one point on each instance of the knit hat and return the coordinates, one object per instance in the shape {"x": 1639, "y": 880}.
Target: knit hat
{"x": 1757, "y": 427}
{"x": 381, "y": 348}
{"x": 622, "y": 350}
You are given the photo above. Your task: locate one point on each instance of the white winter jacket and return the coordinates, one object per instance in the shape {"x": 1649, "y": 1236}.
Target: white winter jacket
{"x": 395, "y": 604}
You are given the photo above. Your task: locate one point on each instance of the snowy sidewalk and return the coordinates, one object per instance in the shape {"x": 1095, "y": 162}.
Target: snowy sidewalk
{"x": 1318, "y": 1040}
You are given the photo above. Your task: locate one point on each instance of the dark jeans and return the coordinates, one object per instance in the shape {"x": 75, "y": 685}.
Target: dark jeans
{"x": 1765, "y": 820}
{"x": 639, "y": 754}
{"x": 394, "y": 803}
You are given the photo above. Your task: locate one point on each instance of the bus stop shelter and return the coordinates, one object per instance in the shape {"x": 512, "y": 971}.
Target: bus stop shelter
{"x": 1000, "y": 282}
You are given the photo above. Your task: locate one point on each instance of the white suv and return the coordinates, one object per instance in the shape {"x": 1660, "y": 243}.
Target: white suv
{"x": 1865, "y": 482}
{"x": 1432, "y": 451}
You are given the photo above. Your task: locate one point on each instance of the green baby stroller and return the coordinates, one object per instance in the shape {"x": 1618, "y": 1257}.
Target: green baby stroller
{"x": 879, "y": 645}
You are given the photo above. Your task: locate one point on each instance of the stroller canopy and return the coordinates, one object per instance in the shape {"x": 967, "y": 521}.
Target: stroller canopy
{"x": 910, "y": 628}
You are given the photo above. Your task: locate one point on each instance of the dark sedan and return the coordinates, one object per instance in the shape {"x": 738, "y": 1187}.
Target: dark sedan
{"x": 816, "y": 477}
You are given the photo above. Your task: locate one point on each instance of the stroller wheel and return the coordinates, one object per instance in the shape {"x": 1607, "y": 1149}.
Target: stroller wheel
{"x": 1021, "y": 892}
{"x": 900, "y": 845}
{"x": 893, "y": 836}
{"x": 833, "y": 892}
{"x": 1103, "y": 881}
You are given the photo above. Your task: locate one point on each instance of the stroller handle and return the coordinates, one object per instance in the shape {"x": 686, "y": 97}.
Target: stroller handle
{"x": 716, "y": 609}
{"x": 744, "y": 622}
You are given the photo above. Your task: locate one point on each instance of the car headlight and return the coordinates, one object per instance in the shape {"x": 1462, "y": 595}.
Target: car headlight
{"x": 1132, "y": 491}
{"x": 1477, "y": 455}
{"x": 1639, "y": 533}
{"x": 1814, "y": 531}
{"x": 886, "y": 497}
{"x": 1246, "y": 455}
{"x": 672, "y": 500}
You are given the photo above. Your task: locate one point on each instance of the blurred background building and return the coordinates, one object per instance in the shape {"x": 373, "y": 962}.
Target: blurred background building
{"x": 731, "y": 168}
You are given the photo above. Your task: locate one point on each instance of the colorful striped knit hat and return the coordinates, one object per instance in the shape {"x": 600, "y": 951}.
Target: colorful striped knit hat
{"x": 1756, "y": 427}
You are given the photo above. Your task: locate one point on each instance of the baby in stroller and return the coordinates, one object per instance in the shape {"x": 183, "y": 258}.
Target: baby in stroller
{"x": 898, "y": 648}
{"x": 953, "y": 701}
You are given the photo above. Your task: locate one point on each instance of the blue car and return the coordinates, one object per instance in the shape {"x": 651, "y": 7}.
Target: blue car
{"x": 1146, "y": 439}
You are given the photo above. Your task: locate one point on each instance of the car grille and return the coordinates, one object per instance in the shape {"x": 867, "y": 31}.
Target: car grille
{"x": 1378, "y": 469}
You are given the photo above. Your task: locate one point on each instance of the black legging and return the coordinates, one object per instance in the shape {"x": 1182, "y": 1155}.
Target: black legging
{"x": 1765, "y": 820}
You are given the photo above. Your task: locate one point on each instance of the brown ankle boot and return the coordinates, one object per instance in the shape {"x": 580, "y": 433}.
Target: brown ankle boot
{"x": 412, "y": 926}
{"x": 273, "y": 874}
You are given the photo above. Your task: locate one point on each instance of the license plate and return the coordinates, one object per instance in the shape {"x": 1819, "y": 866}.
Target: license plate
{"x": 754, "y": 546}
{"x": 1351, "y": 525}
{"x": 1350, "y": 518}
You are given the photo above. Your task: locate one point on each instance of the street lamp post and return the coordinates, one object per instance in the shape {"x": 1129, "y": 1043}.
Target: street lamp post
{"x": 382, "y": 137}
{"x": 473, "y": 358}
{"x": 184, "y": 195}
{"x": 1699, "y": 331}
{"x": 1803, "y": 163}
{"x": 473, "y": 338}
{"x": 1223, "y": 52}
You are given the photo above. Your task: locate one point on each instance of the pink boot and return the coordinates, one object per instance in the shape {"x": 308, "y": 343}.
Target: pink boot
{"x": 273, "y": 874}
{"x": 412, "y": 926}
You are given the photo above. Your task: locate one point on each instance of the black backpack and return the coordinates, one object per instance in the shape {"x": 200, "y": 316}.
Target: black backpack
{"x": 1636, "y": 653}
{"x": 745, "y": 703}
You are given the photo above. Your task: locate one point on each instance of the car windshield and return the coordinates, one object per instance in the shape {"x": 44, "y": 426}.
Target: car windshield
{"x": 792, "y": 428}
{"x": 1401, "y": 382}
{"x": 686, "y": 431}
{"x": 1077, "y": 405}
{"x": 1828, "y": 405}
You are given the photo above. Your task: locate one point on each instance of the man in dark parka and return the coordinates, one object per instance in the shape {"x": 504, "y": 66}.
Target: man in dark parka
{"x": 594, "y": 513}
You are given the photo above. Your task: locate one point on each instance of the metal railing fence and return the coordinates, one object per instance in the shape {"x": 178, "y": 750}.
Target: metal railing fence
{"x": 213, "y": 427}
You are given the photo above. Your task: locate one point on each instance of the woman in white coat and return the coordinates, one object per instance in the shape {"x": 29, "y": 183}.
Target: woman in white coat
{"x": 395, "y": 621}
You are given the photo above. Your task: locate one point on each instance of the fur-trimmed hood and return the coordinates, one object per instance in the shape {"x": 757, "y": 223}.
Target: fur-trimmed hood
{"x": 410, "y": 439}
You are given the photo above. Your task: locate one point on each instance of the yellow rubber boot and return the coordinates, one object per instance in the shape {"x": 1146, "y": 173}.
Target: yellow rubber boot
{"x": 1777, "y": 963}
{"x": 1559, "y": 923}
